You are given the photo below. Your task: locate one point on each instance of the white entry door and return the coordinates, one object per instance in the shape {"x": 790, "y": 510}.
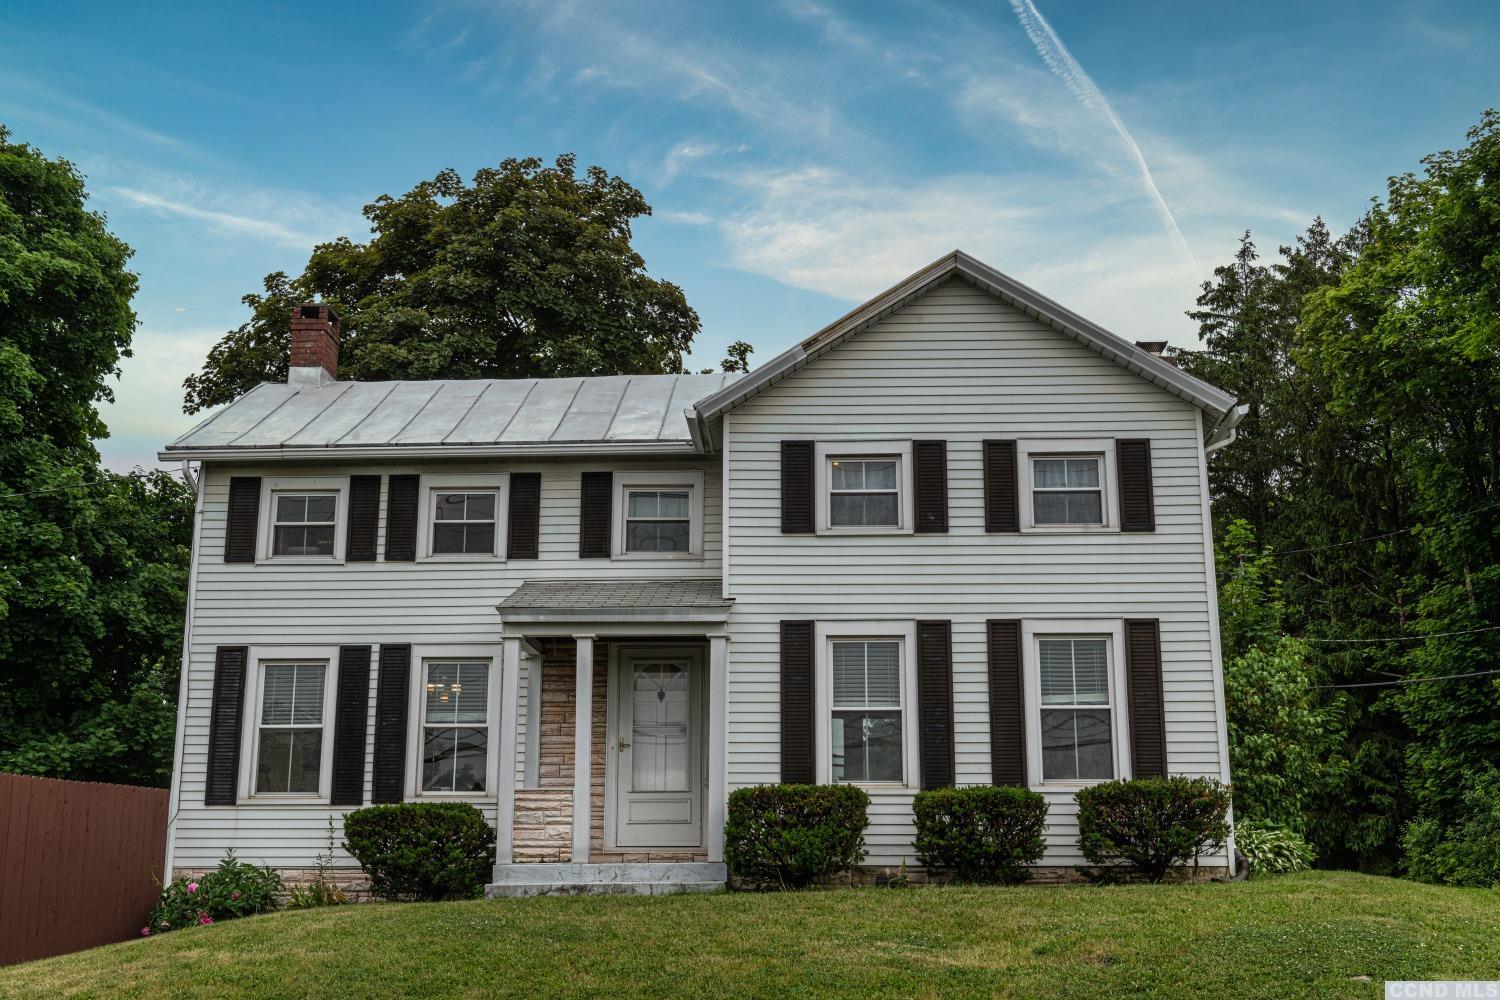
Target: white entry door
{"x": 658, "y": 749}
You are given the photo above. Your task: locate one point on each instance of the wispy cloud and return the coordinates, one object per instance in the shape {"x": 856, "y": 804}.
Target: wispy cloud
{"x": 228, "y": 222}
{"x": 1057, "y": 57}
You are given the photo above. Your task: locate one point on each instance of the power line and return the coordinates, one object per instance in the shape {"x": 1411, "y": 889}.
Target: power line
{"x": 1411, "y": 638}
{"x": 1387, "y": 534}
{"x": 1411, "y": 680}
{"x": 53, "y": 489}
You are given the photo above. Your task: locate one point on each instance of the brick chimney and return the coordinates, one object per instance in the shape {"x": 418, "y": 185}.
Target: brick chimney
{"x": 315, "y": 345}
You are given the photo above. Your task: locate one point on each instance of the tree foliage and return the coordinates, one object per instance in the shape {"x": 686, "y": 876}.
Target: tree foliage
{"x": 528, "y": 271}
{"x": 92, "y": 565}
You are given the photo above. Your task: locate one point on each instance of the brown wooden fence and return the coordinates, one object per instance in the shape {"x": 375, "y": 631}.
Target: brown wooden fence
{"x": 78, "y": 863}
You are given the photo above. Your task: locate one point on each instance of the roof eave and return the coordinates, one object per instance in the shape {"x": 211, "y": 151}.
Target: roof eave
{"x": 282, "y": 453}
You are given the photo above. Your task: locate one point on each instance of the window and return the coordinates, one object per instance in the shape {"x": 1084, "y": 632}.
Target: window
{"x": 657, "y": 514}
{"x": 658, "y": 520}
{"x": 463, "y": 523}
{"x": 866, "y": 727}
{"x": 455, "y": 726}
{"x": 289, "y": 735}
{"x": 1067, "y": 489}
{"x": 1077, "y": 732}
{"x": 303, "y": 524}
{"x": 863, "y": 493}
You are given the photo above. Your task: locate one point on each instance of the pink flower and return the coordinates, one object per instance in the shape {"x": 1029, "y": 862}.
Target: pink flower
{"x": 192, "y": 887}
{"x": 204, "y": 919}
{"x": 145, "y": 932}
{"x": 234, "y": 895}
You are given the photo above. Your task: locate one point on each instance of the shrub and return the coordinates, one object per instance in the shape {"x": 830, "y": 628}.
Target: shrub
{"x": 980, "y": 834}
{"x": 1272, "y": 849}
{"x": 795, "y": 835}
{"x": 1466, "y": 852}
{"x": 234, "y": 889}
{"x": 1153, "y": 823}
{"x": 422, "y": 850}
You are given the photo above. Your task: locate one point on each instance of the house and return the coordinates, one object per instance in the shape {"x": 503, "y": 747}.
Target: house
{"x": 961, "y": 535}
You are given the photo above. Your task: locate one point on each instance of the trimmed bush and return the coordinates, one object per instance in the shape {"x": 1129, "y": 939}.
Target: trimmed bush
{"x": 422, "y": 850}
{"x": 980, "y": 834}
{"x": 234, "y": 889}
{"x": 1272, "y": 849}
{"x": 794, "y": 835}
{"x": 1152, "y": 824}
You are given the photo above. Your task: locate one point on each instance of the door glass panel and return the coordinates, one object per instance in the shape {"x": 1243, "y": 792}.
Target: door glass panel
{"x": 659, "y": 727}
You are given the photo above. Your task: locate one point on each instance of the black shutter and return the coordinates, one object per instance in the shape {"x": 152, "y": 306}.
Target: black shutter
{"x": 351, "y": 711}
{"x": 1148, "y": 729}
{"x": 1002, "y": 511}
{"x": 797, "y": 487}
{"x": 935, "y": 703}
{"x": 242, "y": 519}
{"x": 389, "y": 783}
{"x": 797, "y": 742}
{"x": 595, "y": 499}
{"x": 524, "y": 520}
{"x": 224, "y": 720}
{"x": 1007, "y": 704}
{"x": 401, "y": 519}
{"x": 364, "y": 518}
{"x": 930, "y": 478}
{"x": 1133, "y": 466}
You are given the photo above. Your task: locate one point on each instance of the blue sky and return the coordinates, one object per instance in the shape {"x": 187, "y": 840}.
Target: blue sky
{"x": 801, "y": 155}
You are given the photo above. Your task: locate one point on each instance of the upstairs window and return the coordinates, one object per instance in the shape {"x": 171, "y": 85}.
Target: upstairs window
{"x": 455, "y": 726}
{"x": 866, "y": 728}
{"x": 289, "y": 737}
{"x": 1076, "y": 714}
{"x": 864, "y": 492}
{"x": 658, "y": 520}
{"x": 1067, "y": 489}
{"x": 463, "y": 523}
{"x": 303, "y": 524}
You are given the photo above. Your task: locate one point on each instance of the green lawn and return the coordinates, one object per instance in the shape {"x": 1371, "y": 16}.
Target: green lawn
{"x": 1314, "y": 935}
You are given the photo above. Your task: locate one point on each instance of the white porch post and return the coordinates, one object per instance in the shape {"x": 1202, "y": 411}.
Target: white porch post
{"x": 533, "y": 761}
{"x": 505, "y": 790}
{"x": 718, "y": 739}
{"x": 583, "y": 733}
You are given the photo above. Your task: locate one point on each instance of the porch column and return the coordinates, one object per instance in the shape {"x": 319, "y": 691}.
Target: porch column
{"x": 533, "y": 720}
{"x": 505, "y": 783}
{"x": 583, "y": 739}
{"x": 718, "y": 741}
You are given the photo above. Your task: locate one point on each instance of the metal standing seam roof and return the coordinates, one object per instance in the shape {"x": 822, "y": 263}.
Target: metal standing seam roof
{"x": 357, "y": 418}
{"x": 602, "y": 595}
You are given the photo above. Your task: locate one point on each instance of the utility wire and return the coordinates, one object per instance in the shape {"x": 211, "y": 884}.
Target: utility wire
{"x": 1411, "y": 680}
{"x": 1411, "y": 638}
{"x": 53, "y": 489}
{"x": 1376, "y": 538}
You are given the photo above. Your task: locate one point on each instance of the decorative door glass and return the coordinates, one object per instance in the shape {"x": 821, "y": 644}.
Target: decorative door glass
{"x": 659, "y": 727}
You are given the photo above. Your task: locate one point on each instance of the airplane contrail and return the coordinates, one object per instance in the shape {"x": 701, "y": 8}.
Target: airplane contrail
{"x": 1060, "y": 61}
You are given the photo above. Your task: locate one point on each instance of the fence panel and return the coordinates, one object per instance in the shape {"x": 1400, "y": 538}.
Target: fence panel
{"x": 79, "y": 863}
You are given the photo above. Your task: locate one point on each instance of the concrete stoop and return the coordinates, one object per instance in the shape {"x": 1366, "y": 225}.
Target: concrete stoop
{"x": 649, "y": 879}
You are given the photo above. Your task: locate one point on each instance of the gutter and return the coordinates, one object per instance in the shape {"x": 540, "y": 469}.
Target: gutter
{"x": 1226, "y": 431}
{"x": 340, "y": 452}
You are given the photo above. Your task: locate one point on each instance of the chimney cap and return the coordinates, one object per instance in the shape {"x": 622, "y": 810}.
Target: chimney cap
{"x": 315, "y": 311}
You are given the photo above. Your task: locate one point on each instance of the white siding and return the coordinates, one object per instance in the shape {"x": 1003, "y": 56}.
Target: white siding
{"x": 423, "y": 602}
{"x": 958, "y": 365}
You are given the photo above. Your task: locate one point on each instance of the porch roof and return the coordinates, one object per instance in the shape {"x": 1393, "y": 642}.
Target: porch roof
{"x": 679, "y": 599}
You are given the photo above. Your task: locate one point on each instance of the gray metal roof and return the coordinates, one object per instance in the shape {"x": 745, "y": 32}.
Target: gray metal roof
{"x": 361, "y": 419}
{"x": 589, "y": 595}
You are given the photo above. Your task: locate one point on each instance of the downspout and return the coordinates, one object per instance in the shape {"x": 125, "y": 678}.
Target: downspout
{"x": 197, "y": 482}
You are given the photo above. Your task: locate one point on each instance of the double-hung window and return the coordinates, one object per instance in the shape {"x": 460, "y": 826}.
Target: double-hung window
{"x": 455, "y": 726}
{"x": 866, "y": 701}
{"x": 864, "y": 493}
{"x": 463, "y": 523}
{"x": 658, "y": 520}
{"x": 303, "y": 524}
{"x": 289, "y": 728}
{"x": 1076, "y": 708}
{"x": 1067, "y": 489}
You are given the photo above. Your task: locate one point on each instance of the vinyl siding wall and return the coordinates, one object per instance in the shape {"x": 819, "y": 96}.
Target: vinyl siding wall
{"x": 958, "y": 365}
{"x": 423, "y": 602}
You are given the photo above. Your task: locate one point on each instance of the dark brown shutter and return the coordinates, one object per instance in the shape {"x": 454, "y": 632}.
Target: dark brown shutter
{"x": 1133, "y": 466}
{"x": 595, "y": 498}
{"x": 351, "y": 711}
{"x": 524, "y": 520}
{"x": 1007, "y": 704}
{"x": 401, "y": 519}
{"x": 797, "y": 742}
{"x": 1002, "y": 511}
{"x": 935, "y": 703}
{"x": 242, "y": 519}
{"x": 929, "y": 461}
{"x": 797, "y": 488}
{"x": 1148, "y": 728}
{"x": 225, "y": 718}
{"x": 391, "y": 690}
{"x": 364, "y": 518}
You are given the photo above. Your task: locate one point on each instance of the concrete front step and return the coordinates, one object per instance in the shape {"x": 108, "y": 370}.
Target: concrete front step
{"x": 648, "y": 879}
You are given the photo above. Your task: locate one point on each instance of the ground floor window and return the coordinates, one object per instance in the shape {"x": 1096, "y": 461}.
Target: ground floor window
{"x": 289, "y": 737}
{"x": 455, "y": 726}
{"x": 1076, "y": 715}
{"x": 866, "y": 726}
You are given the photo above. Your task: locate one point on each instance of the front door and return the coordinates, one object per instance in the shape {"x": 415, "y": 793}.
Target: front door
{"x": 658, "y": 749}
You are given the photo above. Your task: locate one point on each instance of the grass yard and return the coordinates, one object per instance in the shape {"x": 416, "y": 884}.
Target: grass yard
{"x": 1314, "y": 935}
